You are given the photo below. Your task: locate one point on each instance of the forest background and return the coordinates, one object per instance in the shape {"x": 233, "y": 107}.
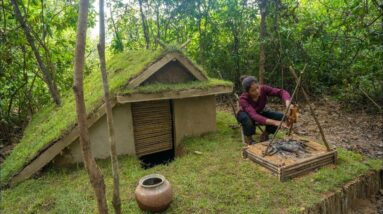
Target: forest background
{"x": 341, "y": 41}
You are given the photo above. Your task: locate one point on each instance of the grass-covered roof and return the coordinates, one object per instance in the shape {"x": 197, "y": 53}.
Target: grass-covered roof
{"x": 51, "y": 123}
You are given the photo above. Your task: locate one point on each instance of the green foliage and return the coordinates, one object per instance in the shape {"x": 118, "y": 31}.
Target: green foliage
{"x": 217, "y": 181}
{"x": 339, "y": 40}
{"x": 23, "y": 90}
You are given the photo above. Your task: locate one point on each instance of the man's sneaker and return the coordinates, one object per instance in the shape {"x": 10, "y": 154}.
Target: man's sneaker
{"x": 249, "y": 140}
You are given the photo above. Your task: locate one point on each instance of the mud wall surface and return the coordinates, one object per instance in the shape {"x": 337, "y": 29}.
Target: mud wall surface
{"x": 99, "y": 138}
{"x": 193, "y": 116}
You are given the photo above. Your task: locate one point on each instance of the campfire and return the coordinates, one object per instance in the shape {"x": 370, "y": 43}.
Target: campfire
{"x": 289, "y": 147}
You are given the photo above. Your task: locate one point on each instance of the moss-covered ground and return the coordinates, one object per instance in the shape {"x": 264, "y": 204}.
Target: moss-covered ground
{"x": 216, "y": 181}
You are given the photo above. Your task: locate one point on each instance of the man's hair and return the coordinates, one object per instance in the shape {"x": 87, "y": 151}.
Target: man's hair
{"x": 242, "y": 78}
{"x": 247, "y": 81}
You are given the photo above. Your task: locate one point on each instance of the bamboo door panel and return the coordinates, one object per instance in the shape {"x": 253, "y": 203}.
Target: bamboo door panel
{"x": 152, "y": 125}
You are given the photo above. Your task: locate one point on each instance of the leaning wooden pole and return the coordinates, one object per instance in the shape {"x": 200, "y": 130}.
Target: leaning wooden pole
{"x": 144, "y": 25}
{"x": 306, "y": 96}
{"x": 372, "y": 100}
{"x": 262, "y": 37}
{"x": 95, "y": 176}
{"x": 109, "y": 114}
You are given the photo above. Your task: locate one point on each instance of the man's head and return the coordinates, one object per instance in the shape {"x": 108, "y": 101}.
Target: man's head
{"x": 251, "y": 86}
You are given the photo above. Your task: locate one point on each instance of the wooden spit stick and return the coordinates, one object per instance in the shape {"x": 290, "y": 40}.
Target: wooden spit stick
{"x": 311, "y": 109}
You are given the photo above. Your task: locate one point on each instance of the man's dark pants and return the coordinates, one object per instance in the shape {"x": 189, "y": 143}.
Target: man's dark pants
{"x": 249, "y": 125}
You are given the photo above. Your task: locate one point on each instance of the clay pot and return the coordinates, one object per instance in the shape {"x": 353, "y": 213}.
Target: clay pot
{"x": 154, "y": 193}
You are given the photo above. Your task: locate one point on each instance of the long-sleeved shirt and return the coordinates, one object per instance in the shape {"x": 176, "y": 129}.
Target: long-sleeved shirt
{"x": 253, "y": 108}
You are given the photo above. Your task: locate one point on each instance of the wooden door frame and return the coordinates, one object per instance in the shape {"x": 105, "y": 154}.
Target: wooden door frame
{"x": 173, "y": 127}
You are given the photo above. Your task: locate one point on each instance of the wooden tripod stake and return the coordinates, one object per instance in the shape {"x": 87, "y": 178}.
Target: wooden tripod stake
{"x": 311, "y": 109}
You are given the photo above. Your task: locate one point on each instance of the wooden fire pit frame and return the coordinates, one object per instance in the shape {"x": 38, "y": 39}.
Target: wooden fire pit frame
{"x": 284, "y": 172}
{"x": 296, "y": 169}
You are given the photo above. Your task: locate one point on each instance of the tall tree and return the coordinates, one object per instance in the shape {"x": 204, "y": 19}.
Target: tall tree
{"x": 117, "y": 43}
{"x": 262, "y": 37}
{"x": 157, "y": 11}
{"x": 109, "y": 114}
{"x": 48, "y": 79}
{"x": 144, "y": 25}
{"x": 95, "y": 176}
{"x": 200, "y": 33}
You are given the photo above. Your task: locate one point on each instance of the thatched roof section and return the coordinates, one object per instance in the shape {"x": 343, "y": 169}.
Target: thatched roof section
{"x": 51, "y": 123}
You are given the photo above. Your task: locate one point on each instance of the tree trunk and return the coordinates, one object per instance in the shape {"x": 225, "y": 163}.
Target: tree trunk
{"x": 201, "y": 35}
{"x": 95, "y": 176}
{"x": 4, "y": 18}
{"x": 158, "y": 21}
{"x": 262, "y": 36}
{"x": 109, "y": 114}
{"x": 201, "y": 43}
{"x": 52, "y": 87}
{"x": 144, "y": 26}
{"x": 116, "y": 32}
{"x": 236, "y": 54}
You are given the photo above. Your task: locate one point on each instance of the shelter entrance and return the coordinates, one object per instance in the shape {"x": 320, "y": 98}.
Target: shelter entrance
{"x": 153, "y": 127}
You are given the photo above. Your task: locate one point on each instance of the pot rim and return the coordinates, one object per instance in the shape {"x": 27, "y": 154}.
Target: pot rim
{"x": 141, "y": 182}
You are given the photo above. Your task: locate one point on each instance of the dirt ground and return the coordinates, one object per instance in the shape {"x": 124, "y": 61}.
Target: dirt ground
{"x": 356, "y": 131}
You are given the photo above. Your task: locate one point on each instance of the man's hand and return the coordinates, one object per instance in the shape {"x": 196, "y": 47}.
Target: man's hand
{"x": 283, "y": 124}
{"x": 276, "y": 123}
{"x": 287, "y": 103}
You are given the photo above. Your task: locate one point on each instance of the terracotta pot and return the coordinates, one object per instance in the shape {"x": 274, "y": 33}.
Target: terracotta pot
{"x": 154, "y": 193}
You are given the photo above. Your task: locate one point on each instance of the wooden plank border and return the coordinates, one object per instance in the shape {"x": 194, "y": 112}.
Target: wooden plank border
{"x": 296, "y": 169}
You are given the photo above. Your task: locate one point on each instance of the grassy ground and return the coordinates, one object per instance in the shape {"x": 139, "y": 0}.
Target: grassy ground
{"x": 217, "y": 181}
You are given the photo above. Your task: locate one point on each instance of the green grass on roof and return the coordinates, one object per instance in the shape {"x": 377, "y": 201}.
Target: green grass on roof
{"x": 161, "y": 87}
{"x": 49, "y": 124}
{"x": 216, "y": 181}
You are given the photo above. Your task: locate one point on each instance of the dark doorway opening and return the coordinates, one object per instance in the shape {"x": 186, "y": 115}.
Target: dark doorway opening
{"x": 151, "y": 160}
